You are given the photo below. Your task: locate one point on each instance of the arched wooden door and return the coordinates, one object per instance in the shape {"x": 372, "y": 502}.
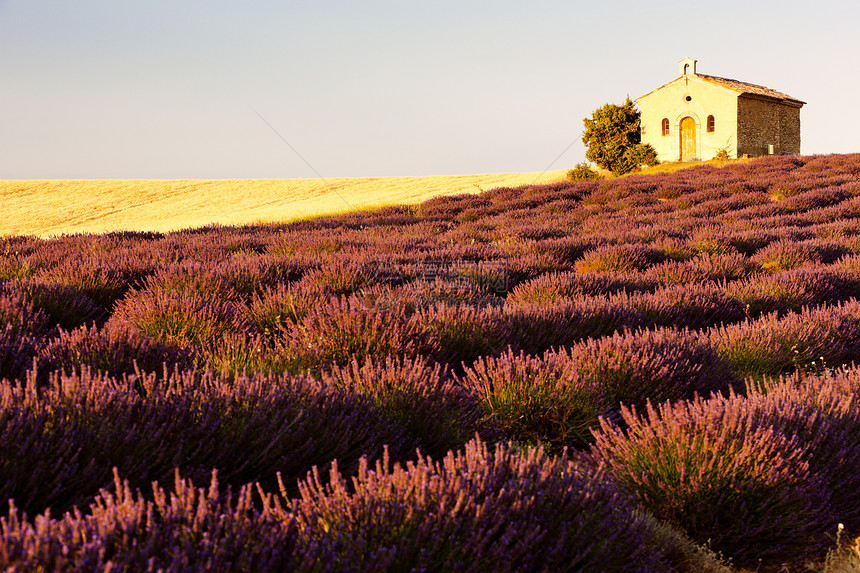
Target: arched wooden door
{"x": 688, "y": 139}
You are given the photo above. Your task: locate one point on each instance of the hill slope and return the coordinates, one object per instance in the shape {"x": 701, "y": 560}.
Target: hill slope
{"x": 48, "y": 208}
{"x": 691, "y": 339}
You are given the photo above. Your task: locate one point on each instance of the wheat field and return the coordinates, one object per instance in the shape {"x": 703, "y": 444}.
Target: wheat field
{"x": 56, "y": 207}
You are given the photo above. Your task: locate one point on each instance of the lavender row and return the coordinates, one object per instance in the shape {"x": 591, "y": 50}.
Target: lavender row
{"x": 767, "y": 478}
{"x": 763, "y": 478}
{"x": 147, "y": 424}
{"x": 484, "y": 508}
{"x": 557, "y": 398}
{"x": 262, "y": 297}
{"x": 536, "y": 298}
{"x": 193, "y": 320}
{"x": 61, "y": 440}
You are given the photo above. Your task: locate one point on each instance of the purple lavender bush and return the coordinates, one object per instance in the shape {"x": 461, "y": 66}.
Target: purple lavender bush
{"x": 103, "y": 280}
{"x": 617, "y": 258}
{"x": 19, "y": 314}
{"x": 446, "y": 291}
{"x": 184, "y": 529}
{"x": 481, "y": 509}
{"x": 535, "y": 399}
{"x": 177, "y": 314}
{"x": 724, "y": 267}
{"x": 822, "y": 411}
{"x": 792, "y": 290}
{"x": 272, "y": 310}
{"x": 242, "y": 353}
{"x": 713, "y": 240}
{"x": 457, "y": 334}
{"x": 719, "y": 471}
{"x": 111, "y": 350}
{"x": 438, "y": 414}
{"x": 64, "y": 305}
{"x": 674, "y": 272}
{"x": 62, "y": 440}
{"x": 341, "y": 277}
{"x": 784, "y": 255}
{"x": 344, "y": 329}
{"x": 693, "y": 306}
{"x": 557, "y": 287}
{"x": 564, "y": 249}
{"x": 17, "y": 352}
{"x": 770, "y": 346}
{"x": 557, "y": 399}
{"x": 535, "y": 328}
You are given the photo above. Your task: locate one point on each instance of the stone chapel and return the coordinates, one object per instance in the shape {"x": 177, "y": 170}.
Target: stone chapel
{"x": 695, "y": 116}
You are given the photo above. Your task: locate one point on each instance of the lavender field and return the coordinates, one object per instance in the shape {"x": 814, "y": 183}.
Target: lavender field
{"x": 653, "y": 373}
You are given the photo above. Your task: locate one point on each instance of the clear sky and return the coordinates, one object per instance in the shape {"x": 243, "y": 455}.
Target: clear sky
{"x": 172, "y": 88}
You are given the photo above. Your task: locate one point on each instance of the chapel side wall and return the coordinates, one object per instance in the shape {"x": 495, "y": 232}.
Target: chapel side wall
{"x": 759, "y": 126}
{"x": 705, "y": 99}
{"x": 789, "y": 129}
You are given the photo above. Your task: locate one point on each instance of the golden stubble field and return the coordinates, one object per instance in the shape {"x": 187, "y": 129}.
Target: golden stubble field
{"x": 56, "y": 207}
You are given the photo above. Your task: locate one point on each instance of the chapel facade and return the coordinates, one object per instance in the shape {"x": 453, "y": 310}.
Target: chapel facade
{"x": 695, "y": 116}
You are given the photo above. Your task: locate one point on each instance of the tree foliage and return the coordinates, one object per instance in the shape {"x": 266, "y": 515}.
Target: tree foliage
{"x": 612, "y": 139}
{"x": 582, "y": 172}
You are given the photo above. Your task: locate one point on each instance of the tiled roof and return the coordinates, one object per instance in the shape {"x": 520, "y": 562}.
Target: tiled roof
{"x": 746, "y": 88}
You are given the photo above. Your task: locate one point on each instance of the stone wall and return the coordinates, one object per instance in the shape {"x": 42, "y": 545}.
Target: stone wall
{"x": 789, "y": 126}
{"x": 763, "y": 122}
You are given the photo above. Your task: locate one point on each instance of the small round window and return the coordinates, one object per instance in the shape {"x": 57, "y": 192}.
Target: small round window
{"x": 688, "y": 98}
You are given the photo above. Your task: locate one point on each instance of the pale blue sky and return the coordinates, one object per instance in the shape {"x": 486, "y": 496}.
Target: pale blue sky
{"x": 169, "y": 88}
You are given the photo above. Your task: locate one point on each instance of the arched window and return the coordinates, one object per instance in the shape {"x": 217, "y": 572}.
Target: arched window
{"x": 710, "y": 124}
{"x": 666, "y": 126}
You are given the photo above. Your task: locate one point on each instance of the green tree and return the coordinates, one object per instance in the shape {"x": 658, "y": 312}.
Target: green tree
{"x": 612, "y": 139}
{"x": 582, "y": 172}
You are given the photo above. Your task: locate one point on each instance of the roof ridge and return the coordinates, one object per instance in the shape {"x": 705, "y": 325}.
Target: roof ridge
{"x": 733, "y": 80}
{"x": 747, "y": 87}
